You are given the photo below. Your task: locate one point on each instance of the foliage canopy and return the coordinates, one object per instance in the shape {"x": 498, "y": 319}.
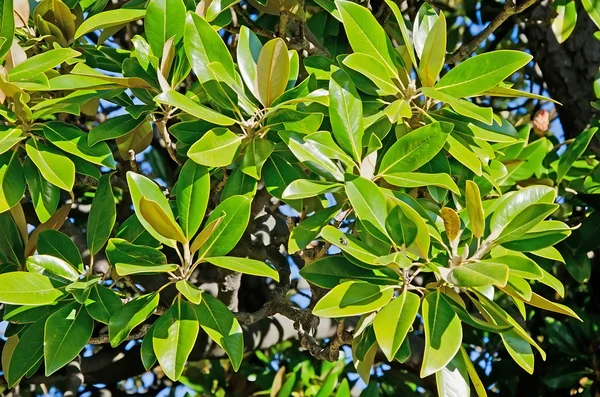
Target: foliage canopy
{"x": 414, "y": 209}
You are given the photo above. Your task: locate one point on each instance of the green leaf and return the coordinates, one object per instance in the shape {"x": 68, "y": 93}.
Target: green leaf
{"x": 349, "y": 244}
{"x": 392, "y": 323}
{"x": 453, "y": 379}
{"x": 9, "y": 137}
{"x": 203, "y": 46}
{"x": 420, "y": 246}
{"x": 12, "y": 244}
{"x": 369, "y": 203}
{"x": 102, "y": 216}
{"x": 593, "y": 9}
{"x": 52, "y": 267}
{"x": 190, "y": 291}
{"x": 164, "y": 19}
{"x": 353, "y": 298}
{"x": 415, "y": 148}
{"x": 248, "y": 51}
{"x": 192, "y": 191}
{"x": 566, "y": 18}
{"x": 41, "y": 63}
{"x": 109, "y": 19}
{"x": 245, "y": 265}
{"x": 147, "y": 349}
{"x": 544, "y": 235}
{"x": 44, "y": 195}
{"x": 543, "y": 303}
{"x": 423, "y": 25}
{"x": 74, "y": 141}
{"x": 434, "y": 51}
{"x": 364, "y": 33}
{"x": 219, "y": 147}
{"x": 129, "y": 258}
{"x": 27, "y": 352}
{"x": 374, "y": 70}
{"x": 511, "y": 204}
{"x": 174, "y": 336}
{"x": 573, "y": 152}
{"x": 475, "y": 209}
{"x": 102, "y": 303}
{"x": 518, "y": 265}
{"x": 130, "y": 316}
{"x": 222, "y": 327}
{"x": 417, "y": 179}
{"x": 307, "y": 188}
{"x": 24, "y": 288}
{"x": 443, "y": 333}
{"x": 400, "y": 228}
{"x": 278, "y": 174}
{"x": 236, "y": 215}
{"x": 311, "y": 155}
{"x": 256, "y": 154}
{"x": 331, "y": 271}
{"x": 241, "y": 184}
{"x": 7, "y": 27}
{"x": 113, "y": 128}
{"x": 139, "y": 187}
{"x": 306, "y": 231}
{"x": 479, "y": 274}
{"x": 54, "y": 166}
{"x": 66, "y": 333}
{"x": 345, "y": 114}
{"x": 272, "y": 71}
{"x": 12, "y": 180}
{"x": 464, "y": 155}
{"x": 162, "y": 221}
{"x": 174, "y": 98}
{"x": 408, "y": 42}
{"x": 461, "y": 106}
{"x": 525, "y": 220}
{"x": 481, "y": 72}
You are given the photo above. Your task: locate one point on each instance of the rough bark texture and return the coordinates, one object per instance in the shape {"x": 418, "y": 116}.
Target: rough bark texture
{"x": 568, "y": 68}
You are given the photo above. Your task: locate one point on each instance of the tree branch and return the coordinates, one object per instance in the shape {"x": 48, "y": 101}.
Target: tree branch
{"x": 510, "y": 9}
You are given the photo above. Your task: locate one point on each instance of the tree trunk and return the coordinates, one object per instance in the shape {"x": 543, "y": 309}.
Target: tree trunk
{"x": 569, "y": 68}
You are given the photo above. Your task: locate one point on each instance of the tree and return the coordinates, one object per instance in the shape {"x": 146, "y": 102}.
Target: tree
{"x": 297, "y": 198}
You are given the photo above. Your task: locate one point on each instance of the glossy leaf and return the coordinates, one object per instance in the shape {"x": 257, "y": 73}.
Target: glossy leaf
{"x": 353, "y": 298}
{"x": 219, "y": 147}
{"x": 331, "y": 271}
{"x": 393, "y": 322}
{"x": 12, "y": 180}
{"x": 245, "y": 265}
{"x": 24, "y": 288}
{"x": 272, "y": 71}
{"x": 475, "y": 209}
{"x": 236, "y": 214}
{"x": 74, "y": 141}
{"x": 481, "y": 72}
{"x": 102, "y": 217}
{"x": 174, "y": 336}
{"x": 67, "y": 331}
{"x": 164, "y": 19}
{"x": 102, "y": 303}
{"x": 44, "y": 195}
{"x": 218, "y": 322}
{"x": 59, "y": 245}
{"x": 443, "y": 333}
{"x": 415, "y": 149}
{"x": 55, "y": 167}
{"x": 142, "y": 187}
{"x": 345, "y": 114}
{"x": 130, "y": 316}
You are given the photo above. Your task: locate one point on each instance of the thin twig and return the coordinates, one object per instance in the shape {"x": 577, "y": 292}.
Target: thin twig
{"x": 510, "y": 9}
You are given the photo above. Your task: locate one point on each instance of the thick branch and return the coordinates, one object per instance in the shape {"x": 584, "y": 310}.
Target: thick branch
{"x": 510, "y": 9}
